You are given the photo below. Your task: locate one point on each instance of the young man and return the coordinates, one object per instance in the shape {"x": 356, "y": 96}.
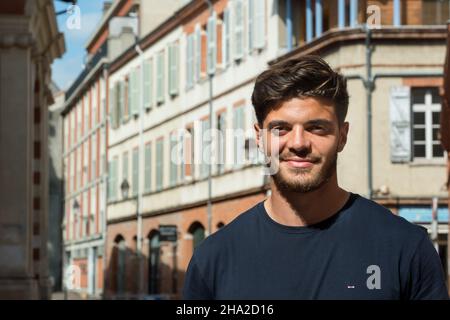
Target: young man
{"x": 311, "y": 239}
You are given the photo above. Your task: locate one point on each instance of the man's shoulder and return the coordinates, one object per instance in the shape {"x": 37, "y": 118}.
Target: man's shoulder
{"x": 235, "y": 230}
{"x": 380, "y": 219}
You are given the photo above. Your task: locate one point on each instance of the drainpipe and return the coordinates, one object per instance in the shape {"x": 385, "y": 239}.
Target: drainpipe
{"x": 140, "y": 162}
{"x": 210, "y": 78}
{"x": 369, "y": 85}
{"x": 105, "y": 177}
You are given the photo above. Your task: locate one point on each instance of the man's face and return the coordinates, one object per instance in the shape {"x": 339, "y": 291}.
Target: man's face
{"x": 302, "y": 136}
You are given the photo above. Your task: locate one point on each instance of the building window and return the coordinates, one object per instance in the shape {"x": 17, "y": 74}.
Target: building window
{"x": 135, "y": 177}
{"x": 238, "y": 16}
{"x": 120, "y": 251}
{"x": 226, "y": 27}
{"x": 173, "y": 68}
{"x": 211, "y": 41}
{"x": 124, "y": 100}
{"x": 148, "y": 167}
{"x": 154, "y": 257}
{"x": 426, "y": 108}
{"x": 85, "y": 218}
{"x": 112, "y": 192}
{"x": 197, "y": 52}
{"x": 221, "y": 142}
{"x": 125, "y": 167}
{"x": 205, "y": 148}
{"x": 94, "y": 157}
{"x": 133, "y": 91}
{"x": 148, "y": 84}
{"x": 173, "y": 158}
{"x": 188, "y": 153}
{"x": 190, "y": 61}
{"x": 159, "y": 163}
{"x": 239, "y": 135}
{"x": 113, "y": 106}
{"x": 160, "y": 78}
{"x": 258, "y": 25}
{"x": 435, "y": 12}
{"x": 198, "y": 233}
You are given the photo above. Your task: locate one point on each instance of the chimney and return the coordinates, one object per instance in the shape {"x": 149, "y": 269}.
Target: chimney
{"x": 106, "y": 6}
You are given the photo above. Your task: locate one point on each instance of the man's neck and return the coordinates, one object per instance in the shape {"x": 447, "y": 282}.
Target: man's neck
{"x": 303, "y": 209}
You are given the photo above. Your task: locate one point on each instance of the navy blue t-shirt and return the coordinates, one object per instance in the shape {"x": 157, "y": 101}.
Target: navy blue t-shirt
{"x": 361, "y": 252}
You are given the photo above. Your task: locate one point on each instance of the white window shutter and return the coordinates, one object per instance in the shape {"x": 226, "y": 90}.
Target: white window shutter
{"x": 170, "y": 47}
{"x": 160, "y": 78}
{"x": 198, "y": 52}
{"x": 137, "y": 91}
{"x": 176, "y": 66}
{"x": 135, "y": 169}
{"x": 132, "y": 92}
{"x": 400, "y": 117}
{"x": 211, "y": 40}
{"x": 190, "y": 61}
{"x": 147, "y": 83}
{"x": 250, "y": 23}
{"x": 238, "y": 30}
{"x": 119, "y": 103}
{"x": 112, "y": 106}
{"x": 226, "y": 37}
{"x": 259, "y": 24}
{"x": 173, "y": 69}
{"x": 131, "y": 86}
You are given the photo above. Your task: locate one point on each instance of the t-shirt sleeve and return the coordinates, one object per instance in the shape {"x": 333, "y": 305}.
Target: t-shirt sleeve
{"x": 427, "y": 279}
{"x": 195, "y": 287}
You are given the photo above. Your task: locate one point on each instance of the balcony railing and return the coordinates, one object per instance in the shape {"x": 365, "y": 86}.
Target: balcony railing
{"x": 301, "y": 21}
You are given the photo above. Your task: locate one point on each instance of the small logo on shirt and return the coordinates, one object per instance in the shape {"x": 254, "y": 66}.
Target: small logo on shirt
{"x": 374, "y": 280}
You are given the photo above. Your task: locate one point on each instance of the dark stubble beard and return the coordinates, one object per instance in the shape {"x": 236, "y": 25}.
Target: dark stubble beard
{"x": 303, "y": 185}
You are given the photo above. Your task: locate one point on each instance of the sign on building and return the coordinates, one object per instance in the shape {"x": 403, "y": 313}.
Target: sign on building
{"x": 168, "y": 233}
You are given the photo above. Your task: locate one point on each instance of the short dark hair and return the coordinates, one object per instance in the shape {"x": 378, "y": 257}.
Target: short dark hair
{"x": 306, "y": 76}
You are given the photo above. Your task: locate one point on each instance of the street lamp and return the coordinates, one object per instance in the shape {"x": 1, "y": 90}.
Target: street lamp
{"x": 76, "y": 206}
{"x": 125, "y": 188}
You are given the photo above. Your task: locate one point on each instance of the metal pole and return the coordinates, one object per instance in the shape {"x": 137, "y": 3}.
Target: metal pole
{"x": 434, "y": 224}
{"x": 105, "y": 178}
{"x": 369, "y": 88}
{"x": 210, "y": 77}
{"x": 140, "y": 162}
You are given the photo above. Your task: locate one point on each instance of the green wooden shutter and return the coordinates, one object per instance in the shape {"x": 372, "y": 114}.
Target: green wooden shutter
{"x": 135, "y": 178}
{"x": 160, "y": 78}
{"x": 190, "y": 61}
{"x": 148, "y": 168}
{"x": 238, "y": 30}
{"x": 211, "y": 41}
{"x": 148, "y": 84}
{"x": 112, "y": 107}
{"x": 259, "y": 24}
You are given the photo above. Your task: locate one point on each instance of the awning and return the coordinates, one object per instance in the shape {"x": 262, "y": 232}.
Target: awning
{"x": 423, "y": 214}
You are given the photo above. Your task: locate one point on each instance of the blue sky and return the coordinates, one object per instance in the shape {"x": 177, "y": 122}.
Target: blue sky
{"x": 66, "y": 69}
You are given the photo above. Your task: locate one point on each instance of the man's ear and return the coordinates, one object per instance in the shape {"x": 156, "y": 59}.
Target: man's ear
{"x": 343, "y": 132}
{"x": 258, "y": 133}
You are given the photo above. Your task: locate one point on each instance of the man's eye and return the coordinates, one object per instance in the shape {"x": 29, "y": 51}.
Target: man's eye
{"x": 279, "y": 131}
{"x": 317, "y": 129}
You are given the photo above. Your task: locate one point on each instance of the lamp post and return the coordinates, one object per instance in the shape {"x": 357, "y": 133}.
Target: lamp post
{"x": 125, "y": 188}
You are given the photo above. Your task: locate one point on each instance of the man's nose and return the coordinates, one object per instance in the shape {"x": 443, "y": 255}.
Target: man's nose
{"x": 298, "y": 139}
